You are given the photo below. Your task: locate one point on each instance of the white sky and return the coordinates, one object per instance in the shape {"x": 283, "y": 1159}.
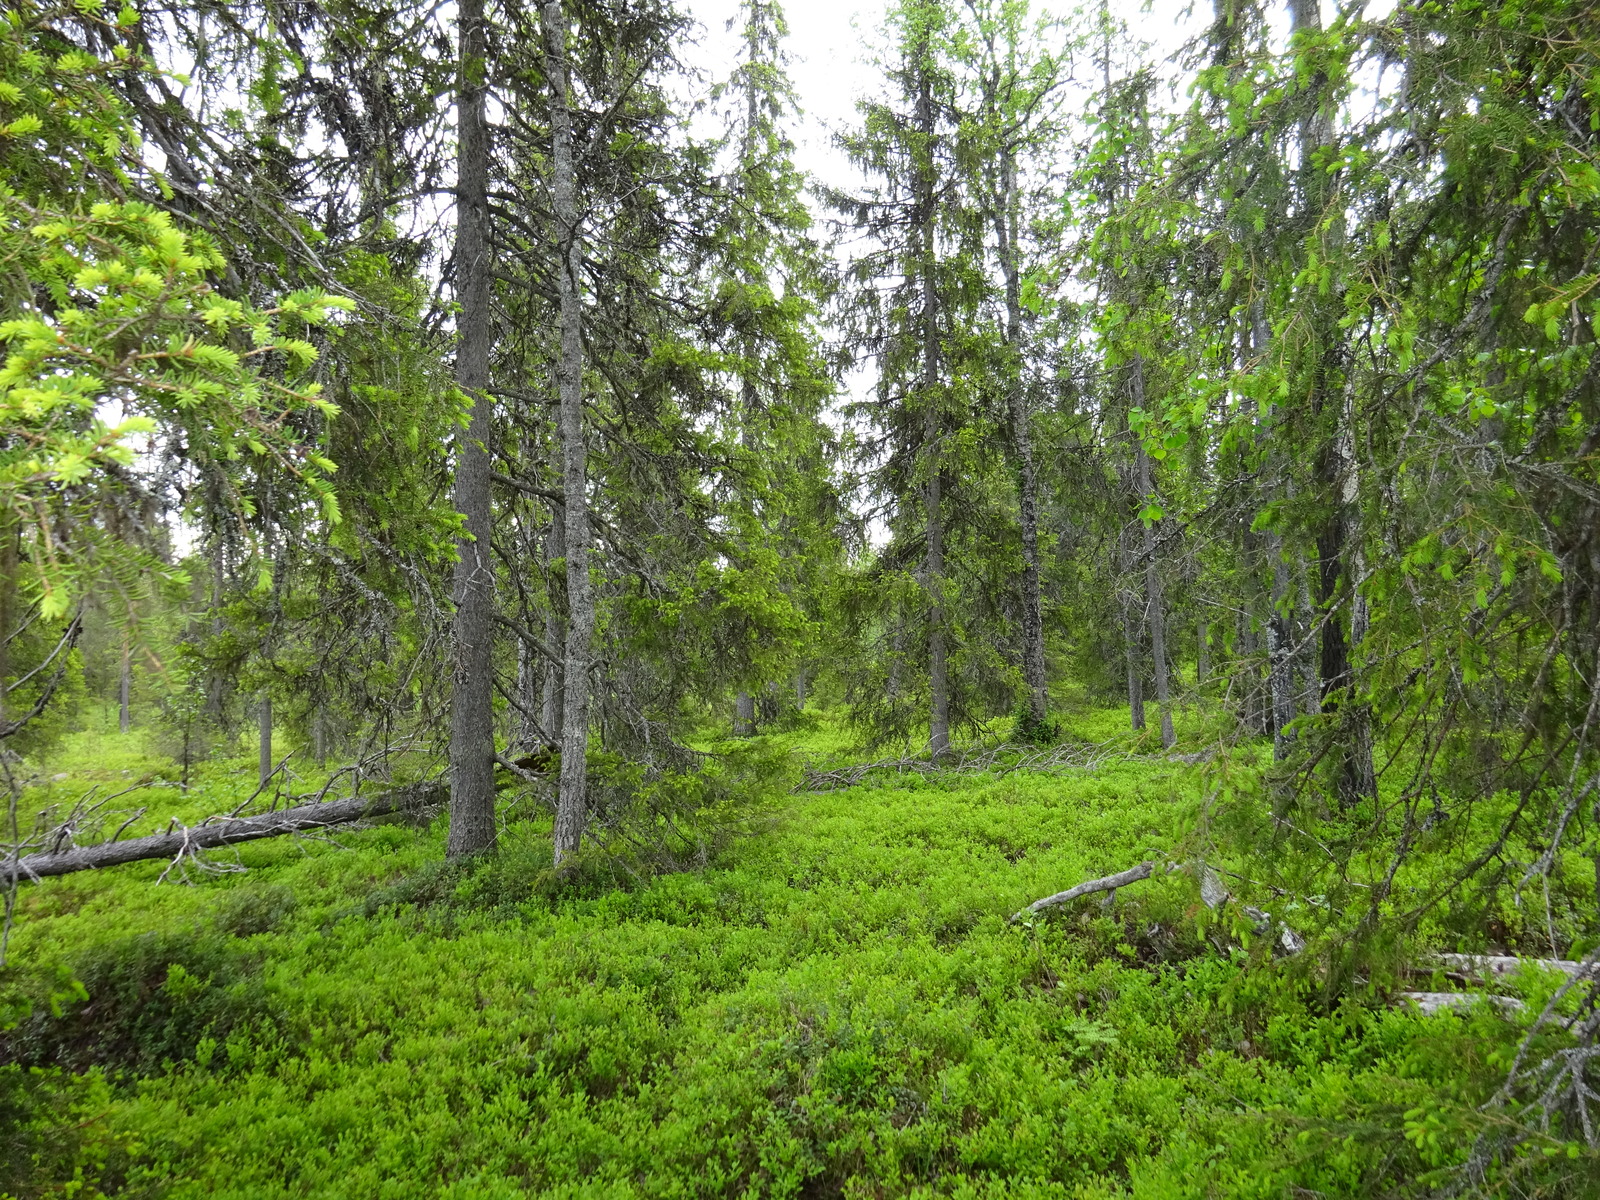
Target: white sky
{"x": 831, "y": 41}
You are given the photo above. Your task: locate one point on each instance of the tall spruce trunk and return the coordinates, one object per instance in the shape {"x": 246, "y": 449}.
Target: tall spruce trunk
{"x": 125, "y": 687}
{"x": 572, "y": 797}
{"x": 1007, "y": 235}
{"x": 1280, "y": 639}
{"x": 1155, "y": 607}
{"x": 933, "y": 451}
{"x": 1130, "y": 639}
{"x": 264, "y": 731}
{"x": 9, "y": 562}
{"x": 553, "y": 692}
{"x": 472, "y": 824}
{"x": 1337, "y": 561}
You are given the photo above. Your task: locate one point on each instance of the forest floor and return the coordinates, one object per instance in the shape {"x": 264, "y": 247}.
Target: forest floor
{"x": 835, "y": 1005}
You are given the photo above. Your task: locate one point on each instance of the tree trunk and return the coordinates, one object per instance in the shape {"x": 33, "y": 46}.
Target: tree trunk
{"x": 1280, "y": 664}
{"x": 214, "y": 681}
{"x": 1336, "y": 460}
{"x": 125, "y": 688}
{"x": 1202, "y": 653}
{"x": 414, "y": 798}
{"x": 744, "y": 715}
{"x": 9, "y": 564}
{"x": 472, "y": 826}
{"x": 1130, "y": 641}
{"x": 800, "y": 689}
{"x": 572, "y": 798}
{"x": 1008, "y": 234}
{"x": 938, "y": 666}
{"x": 1155, "y": 608}
{"x": 553, "y": 695}
{"x": 264, "y": 728}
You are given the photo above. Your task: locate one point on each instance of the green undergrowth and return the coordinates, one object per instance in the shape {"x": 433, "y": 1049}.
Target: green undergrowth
{"x": 834, "y": 1006}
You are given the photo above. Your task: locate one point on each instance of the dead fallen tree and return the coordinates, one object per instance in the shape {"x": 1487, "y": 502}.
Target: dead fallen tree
{"x": 1214, "y": 893}
{"x": 1106, "y": 883}
{"x": 218, "y": 832}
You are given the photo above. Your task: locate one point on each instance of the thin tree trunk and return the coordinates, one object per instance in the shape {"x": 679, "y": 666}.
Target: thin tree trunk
{"x": 1155, "y": 608}
{"x": 553, "y": 696}
{"x": 264, "y": 729}
{"x": 472, "y": 826}
{"x": 1130, "y": 643}
{"x": 1008, "y": 235}
{"x": 525, "y": 725}
{"x": 319, "y": 736}
{"x": 744, "y": 715}
{"x": 213, "y": 676}
{"x": 1202, "y": 654}
{"x": 800, "y": 689}
{"x": 938, "y": 665}
{"x": 1336, "y": 561}
{"x": 1310, "y": 689}
{"x": 125, "y": 687}
{"x": 9, "y": 563}
{"x": 1280, "y": 664}
{"x": 572, "y": 798}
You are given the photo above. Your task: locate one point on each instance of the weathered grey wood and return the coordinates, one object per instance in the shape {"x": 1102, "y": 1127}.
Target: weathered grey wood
{"x": 572, "y": 793}
{"x": 1433, "y": 1002}
{"x": 1487, "y": 965}
{"x": 472, "y": 824}
{"x": 932, "y": 423}
{"x": 1107, "y": 883}
{"x": 227, "y": 832}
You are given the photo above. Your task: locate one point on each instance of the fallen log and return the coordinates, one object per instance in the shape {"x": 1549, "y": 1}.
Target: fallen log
{"x": 227, "y": 831}
{"x": 1488, "y": 966}
{"x": 1107, "y": 883}
{"x": 1429, "y": 1003}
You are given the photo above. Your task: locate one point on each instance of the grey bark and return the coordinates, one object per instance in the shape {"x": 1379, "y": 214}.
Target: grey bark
{"x": 744, "y": 715}
{"x": 1202, "y": 654}
{"x": 8, "y": 591}
{"x": 1108, "y": 883}
{"x": 933, "y": 566}
{"x": 1337, "y": 560}
{"x": 1008, "y": 235}
{"x": 414, "y": 798}
{"x": 553, "y": 694}
{"x": 1280, "y": 667}
{"x": 1155, "y": 606}
{"x": 125, "y": 689}
{"x": 472, "y": 824}
{"x": 264, "y": 730}
{"x": 1280, "y": 664}
{"x": 572, "y": 796}
{"x": 214, "y": 677}
{"x": 1130, "y": 644}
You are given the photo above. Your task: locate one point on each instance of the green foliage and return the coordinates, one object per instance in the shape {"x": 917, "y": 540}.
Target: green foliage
{"x": 115, "y": 332}
{"x": 837, "y": 1004}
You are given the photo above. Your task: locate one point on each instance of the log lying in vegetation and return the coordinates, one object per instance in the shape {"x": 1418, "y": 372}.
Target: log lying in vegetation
{"x": 1107, "y": 883}
{"x": 228, "y": 831}
{"x": 1429, "y": 1003}
{"x": 1492, "y": 966}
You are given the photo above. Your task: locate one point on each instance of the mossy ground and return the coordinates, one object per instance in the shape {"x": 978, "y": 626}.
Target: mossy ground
{"x": 837, "y": 1005}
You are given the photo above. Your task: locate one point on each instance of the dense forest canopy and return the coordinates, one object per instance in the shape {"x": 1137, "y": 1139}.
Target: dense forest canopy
{"x": 479, "y": 405}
